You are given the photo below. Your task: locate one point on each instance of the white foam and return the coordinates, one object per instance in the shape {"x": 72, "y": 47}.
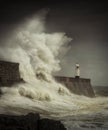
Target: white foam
{"x": 37, "y": 52}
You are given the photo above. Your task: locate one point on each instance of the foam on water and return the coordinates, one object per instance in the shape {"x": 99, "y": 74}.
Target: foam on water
{"x": 37, "y": 52}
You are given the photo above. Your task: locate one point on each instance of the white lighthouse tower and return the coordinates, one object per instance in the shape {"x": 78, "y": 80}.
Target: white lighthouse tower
{"x": 77, "y": 71}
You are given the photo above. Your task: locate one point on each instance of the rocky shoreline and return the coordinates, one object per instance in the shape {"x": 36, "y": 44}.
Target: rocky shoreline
{"x": 30, "y": 121}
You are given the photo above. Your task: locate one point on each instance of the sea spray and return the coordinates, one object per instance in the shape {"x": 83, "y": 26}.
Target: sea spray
{"x": 37, "y": 53}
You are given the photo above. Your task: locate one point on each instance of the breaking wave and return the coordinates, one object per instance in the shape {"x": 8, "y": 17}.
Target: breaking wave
{"x": 37, "y": 52}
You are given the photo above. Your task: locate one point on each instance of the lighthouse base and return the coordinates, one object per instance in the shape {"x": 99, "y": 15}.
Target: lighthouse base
{"x": 77, "y": 85}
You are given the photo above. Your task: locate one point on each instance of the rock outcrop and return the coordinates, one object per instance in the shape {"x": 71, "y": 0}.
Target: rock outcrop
{"x": 28, "y": 122}
{"x": 47, "y": 124}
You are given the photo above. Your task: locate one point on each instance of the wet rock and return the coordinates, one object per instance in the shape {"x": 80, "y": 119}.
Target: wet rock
{"x": 47, "y": 124}
{"x": 28, "y": 122}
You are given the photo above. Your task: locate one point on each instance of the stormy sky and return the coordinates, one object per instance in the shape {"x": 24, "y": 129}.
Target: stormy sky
{"x": 85, "y": 21}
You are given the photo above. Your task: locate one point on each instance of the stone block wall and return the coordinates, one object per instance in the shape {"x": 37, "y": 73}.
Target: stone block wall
{"x": 77, "y": 85}
{"x": 9, "y": 73}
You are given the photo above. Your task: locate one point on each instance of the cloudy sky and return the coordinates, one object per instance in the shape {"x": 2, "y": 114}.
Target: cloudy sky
{"x": 86, "y": 22}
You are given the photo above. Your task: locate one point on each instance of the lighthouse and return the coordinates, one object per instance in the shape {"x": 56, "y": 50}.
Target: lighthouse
{"x": 77, "y": 71}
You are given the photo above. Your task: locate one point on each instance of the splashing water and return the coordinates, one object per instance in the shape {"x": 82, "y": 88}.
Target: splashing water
{"x": 37, "y": 52}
